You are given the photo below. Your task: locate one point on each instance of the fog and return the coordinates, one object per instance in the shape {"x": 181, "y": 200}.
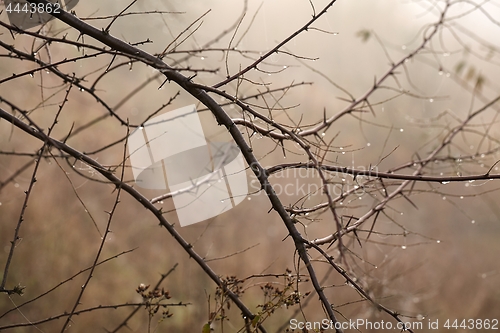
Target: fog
{"x": 434, "y": 249}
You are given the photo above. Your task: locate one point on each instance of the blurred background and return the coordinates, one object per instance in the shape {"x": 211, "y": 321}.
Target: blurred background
{"x": 435, "y": 257}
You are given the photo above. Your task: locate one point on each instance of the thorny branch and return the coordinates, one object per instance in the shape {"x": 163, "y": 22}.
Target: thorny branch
{"x": 309, "y": 138}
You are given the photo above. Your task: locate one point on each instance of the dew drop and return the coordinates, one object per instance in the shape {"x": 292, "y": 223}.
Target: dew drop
{"x": 403, "y": 247}
{"x": 202, "y": 58}
{"x": 473, "y": 221}
{"x": 431, "y": 100}
{"x": 441, "y": 73}
{"x": 323, "y": 134}
{"x": 401, "y": 213}
{"x": 444, "y": 183}
{"x": 403, "y": 47}
{"x": 31, "y": 74}
{"x": 401, "y": 130}
{"x": 249, "y": 198}
{"x": 438, "y": 241}
{"x": 16, "y": 185}
{"x": 222, "y": 201}
{"x": 461, "y": 197}
{"x": 448, "y": 74}
{"x": 335, "y": 33}
{"x": 444, "y": 198}
{"x": 368, "y": 144}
